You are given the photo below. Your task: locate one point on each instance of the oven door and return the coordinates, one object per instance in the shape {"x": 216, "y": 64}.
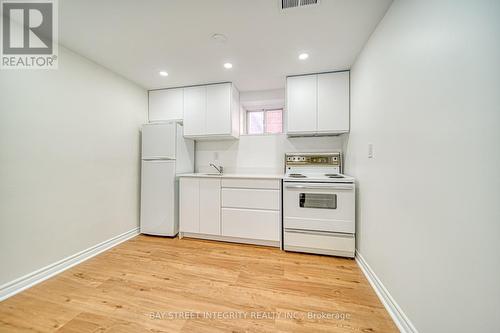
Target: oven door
{"x": 319, "y": 206}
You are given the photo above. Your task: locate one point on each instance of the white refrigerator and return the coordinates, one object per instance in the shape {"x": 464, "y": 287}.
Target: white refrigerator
{"x": 165, "y": 154}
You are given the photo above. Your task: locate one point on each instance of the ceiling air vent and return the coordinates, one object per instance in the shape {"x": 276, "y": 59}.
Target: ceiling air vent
{"x": 285, "y": 4}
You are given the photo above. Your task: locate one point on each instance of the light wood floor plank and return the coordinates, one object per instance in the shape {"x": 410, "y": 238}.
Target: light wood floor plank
{"x": 135, "y": 286}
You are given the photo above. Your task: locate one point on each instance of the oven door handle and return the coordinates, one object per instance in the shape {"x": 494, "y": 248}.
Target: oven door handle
{"x": 317, "y": 187}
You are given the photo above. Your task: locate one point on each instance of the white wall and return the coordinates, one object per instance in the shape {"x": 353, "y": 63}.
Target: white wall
{"x": 426, "y": 92}
{"x": 69, "y": 161}
{"x": 258, "y": 153}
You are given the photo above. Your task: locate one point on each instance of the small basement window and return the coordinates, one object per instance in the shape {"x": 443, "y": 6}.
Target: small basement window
{"x": 264, "y": 121}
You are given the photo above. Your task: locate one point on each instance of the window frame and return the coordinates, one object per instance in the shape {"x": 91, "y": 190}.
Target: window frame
{"x": 264, "y": 125}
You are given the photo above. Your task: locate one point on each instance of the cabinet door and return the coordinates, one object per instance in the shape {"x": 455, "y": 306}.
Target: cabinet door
{"x": 235, "y": 112}
{"x": 333, "y": 102}
{"x": 301, "y": 110}
{"x": 194, "y": 111}
{"x": 219, "y": 109}
{"x": 167, "y": 104}
{"x": 210, "y": 206}
{"x": 189, "y": 205}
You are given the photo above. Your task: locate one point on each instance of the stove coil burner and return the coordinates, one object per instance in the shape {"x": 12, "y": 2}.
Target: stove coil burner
{"x": 297, "y": 175}
{"x": 333, "y": 175}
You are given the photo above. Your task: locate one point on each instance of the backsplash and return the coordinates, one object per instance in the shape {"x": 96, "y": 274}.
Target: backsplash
{"x": 259, "y": 153}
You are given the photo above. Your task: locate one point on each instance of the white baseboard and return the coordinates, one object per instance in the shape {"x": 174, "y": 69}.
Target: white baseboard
{"x": 24, "y": 282}
{"x": 400, "y": 319}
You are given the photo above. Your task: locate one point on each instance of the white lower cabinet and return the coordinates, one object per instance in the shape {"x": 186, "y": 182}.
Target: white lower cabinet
{"x": 251, "y": 209}
{"x": 199, "y": 205}
{"x": 236, "y": 210}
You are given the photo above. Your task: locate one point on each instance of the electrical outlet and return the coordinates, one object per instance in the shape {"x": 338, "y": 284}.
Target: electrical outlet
{"x": 370, "y": 150}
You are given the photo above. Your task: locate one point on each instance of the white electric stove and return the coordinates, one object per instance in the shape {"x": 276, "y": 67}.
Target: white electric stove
{"x": 318, "y": 205}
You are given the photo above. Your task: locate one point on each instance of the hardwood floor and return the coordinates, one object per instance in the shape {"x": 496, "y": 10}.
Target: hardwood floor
{"x": 153, "y": 284}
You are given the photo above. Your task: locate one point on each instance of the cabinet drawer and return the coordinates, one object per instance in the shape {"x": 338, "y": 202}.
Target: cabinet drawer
{"x": 250, "y": 198}
{"x": 253, "y": 224}
{"x": 319, "y": 242}
{"x": 252, "y": 183}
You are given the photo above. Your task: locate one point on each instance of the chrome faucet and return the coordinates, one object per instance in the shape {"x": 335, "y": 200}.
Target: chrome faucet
{"x": 220, "y": 168}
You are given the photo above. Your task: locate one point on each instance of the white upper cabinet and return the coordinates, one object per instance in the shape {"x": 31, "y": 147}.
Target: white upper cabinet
{"x": 318, "y": 104}
{"x": 166, "y": 104}
{"x": 333, "y": 102}
{"x": 211, "y": 112}
{"x": 208, "y": 111}
{"x": 195, "y": 105}
{"x": 302, "y": 103}
{"x": 218, "y": 109}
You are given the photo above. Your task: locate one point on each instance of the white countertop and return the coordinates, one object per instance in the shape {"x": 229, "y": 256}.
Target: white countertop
{"x": 232, "y": 175}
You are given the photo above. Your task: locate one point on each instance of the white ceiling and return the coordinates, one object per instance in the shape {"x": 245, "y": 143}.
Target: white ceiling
{"x": 136, "y": 39}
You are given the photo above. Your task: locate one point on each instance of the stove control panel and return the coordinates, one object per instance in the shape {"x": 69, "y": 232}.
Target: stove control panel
{"x": 317, "y": 159}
